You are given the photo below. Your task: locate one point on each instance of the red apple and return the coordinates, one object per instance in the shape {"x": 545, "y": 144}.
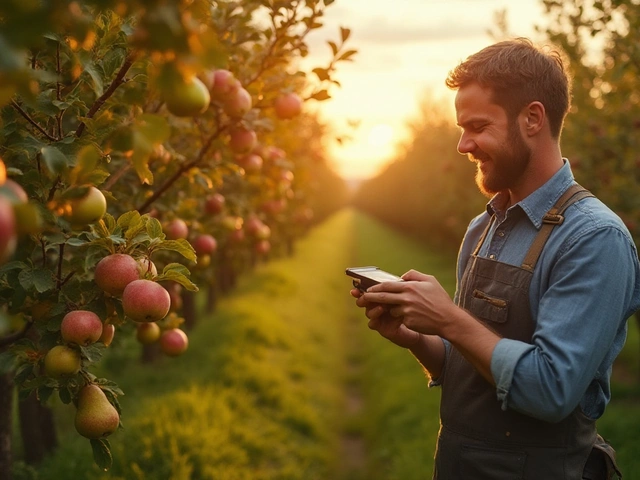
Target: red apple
{"x": 214, "y": 204}
{"x": 8, "y": 237}
{"x": 204, "y": 244}
{"x": 81, "y": 327}
{"x": 148, "y": 333}
{"x": 222, "y": 83}
{"x": 14, "y": 191}
{"x": 262, "y": 247}
{"x": 288, "y": 105}
{"x": 237, "y": 236}
{"x": 242, "y": 140}
{"x": 175, "y": 229}
{"x": 237, "y": 103}
{"x": 187, "y": 98}
{"x": 174, "y": 342}
{"x": 253, "y": 225}
{"x": 252, "y": 163}
{"x": 145, "y": 301}
{"x": 114, "y": 272}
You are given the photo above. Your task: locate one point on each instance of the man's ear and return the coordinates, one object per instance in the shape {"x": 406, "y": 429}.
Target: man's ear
{"x": 534, "y": 117}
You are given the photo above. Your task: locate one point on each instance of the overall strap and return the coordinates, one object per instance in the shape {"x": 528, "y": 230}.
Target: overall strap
{"x": 552, "y": 218}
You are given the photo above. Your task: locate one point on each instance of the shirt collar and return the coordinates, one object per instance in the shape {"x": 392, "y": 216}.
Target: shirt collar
{"x": 538, "y": 203}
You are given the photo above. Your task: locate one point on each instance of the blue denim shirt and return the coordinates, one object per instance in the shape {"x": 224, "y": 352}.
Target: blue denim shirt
{"x": 584, "y": 288}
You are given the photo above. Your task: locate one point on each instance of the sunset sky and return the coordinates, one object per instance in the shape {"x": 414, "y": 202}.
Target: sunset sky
{"x": 405, "y": 50}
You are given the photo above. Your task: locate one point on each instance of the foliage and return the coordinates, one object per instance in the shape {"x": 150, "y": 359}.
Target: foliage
{"x": 99, "y": 93}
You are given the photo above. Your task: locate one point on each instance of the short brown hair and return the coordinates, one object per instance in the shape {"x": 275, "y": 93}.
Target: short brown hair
{"x": 518, "y": 73}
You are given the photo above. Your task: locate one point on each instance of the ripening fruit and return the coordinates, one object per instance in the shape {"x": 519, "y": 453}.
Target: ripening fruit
{"x": 173, "y": 342}
{"x": 114, "y": 272}
{"x": 221, "y": 83}
{"x": 145, "y": 301}
{"x": 81, "y": 327}
{"x": 108, "y": 332}
{"x": 148, "y": 333}
{"x": 187, "y": 98}
{"x": 242, "y": 140}
{"x": 61, "y": 361}
{"x": 237, "y": 103}
{"x": 95, "y": 417}
{"x": 147, "y": 267}
{"x": 8, "y": 237}
{"x": 204, "y": 244}
{"x": 88, "y": 209}
{"x": 175, "y": 229}
{"x": 288, "y": 105}
{"x": 214, "y": 204}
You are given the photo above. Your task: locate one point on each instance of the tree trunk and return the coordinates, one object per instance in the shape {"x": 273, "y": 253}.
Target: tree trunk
{"x": 37, "y": 428}
{"x": 6, "y": 410}
{"x": 189, "y": 309}
{"x": 212, "y": 297}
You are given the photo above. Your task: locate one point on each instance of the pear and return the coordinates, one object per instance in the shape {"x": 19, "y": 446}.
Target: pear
{"x": 61, "y": 361}
{"x": 95, "y": 417}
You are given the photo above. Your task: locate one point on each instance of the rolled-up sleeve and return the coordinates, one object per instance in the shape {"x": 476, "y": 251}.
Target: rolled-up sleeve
{"x": 505, "y": 357}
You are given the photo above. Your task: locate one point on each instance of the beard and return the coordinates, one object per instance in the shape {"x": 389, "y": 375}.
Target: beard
{"x": 505, "y": 168}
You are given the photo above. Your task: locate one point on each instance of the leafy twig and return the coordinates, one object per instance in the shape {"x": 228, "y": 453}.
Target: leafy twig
{"x": 32, "y": 121}
{"x": 117, "y": 81}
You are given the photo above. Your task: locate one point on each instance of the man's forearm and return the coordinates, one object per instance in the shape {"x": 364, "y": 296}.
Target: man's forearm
{"x": 429, "y": 350}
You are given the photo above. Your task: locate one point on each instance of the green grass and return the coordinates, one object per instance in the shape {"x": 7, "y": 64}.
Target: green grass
{"x": 286, "y": 369}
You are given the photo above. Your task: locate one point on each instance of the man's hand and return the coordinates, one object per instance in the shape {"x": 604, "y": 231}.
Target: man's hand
{"x": 381, "y": 321}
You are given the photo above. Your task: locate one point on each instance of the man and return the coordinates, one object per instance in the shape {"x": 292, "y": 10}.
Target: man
{"x": 547, "y": 278}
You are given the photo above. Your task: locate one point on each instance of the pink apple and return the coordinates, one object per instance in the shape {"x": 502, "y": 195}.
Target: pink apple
{"x": 242, "y": 140}
{"x": 174, "y": 342}
{"x": 252, "y": 163}
{"x": 222, "y": 83}
{"x": 237, "y": 103}
{"x": 204, "y": 244}
{"x": 8, "y": 237}
{"x": 145, "y": 301}
{"x": 214, "y": 204}
{"x": 114, "y": 272}
{"x": 81, "y": 327}
{"x": 176, "y": 228}
{"x": 288, "y": 105}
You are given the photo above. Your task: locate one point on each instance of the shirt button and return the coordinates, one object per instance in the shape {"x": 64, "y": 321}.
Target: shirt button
{"x": 492, "y": 256}
{"x": 500, "y": 233}
{"x": 508, "y": 434}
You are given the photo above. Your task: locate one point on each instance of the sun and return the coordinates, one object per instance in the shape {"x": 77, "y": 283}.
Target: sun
{"x": 380, "y": 135}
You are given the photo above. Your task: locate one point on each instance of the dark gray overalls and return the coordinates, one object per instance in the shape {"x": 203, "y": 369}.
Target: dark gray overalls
{"x": 478, "y": 440}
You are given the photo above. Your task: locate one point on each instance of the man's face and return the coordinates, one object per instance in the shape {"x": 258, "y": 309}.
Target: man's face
{"x": 491, "y": 140}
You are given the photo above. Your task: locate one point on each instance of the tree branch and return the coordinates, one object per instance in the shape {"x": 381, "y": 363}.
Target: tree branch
{"x": 117, "y": 81}
{"x": 32, "y": 121}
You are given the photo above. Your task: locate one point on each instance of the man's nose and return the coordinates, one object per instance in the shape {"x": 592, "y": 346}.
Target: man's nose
{"x": 466, "y": 144}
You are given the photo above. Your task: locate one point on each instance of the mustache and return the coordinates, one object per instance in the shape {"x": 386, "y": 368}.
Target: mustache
{"x": 479, "y": 156}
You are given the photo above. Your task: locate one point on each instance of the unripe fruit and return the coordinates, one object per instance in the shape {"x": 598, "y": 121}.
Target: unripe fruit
{"x": 114, "y": 272}
{"x": 81, "y": 327}
{"x": 145, "y": 301}
{"x": 95, "y": 417}
{"x": 148, "y": 333}
{"x": 173, "y": 342}
{"x": 288, "y": 105}
{"x": 86, "y": 210}
{"x": 147, "y": 267}
{"x": 61, "y": 361}
{"x": 187, "y": 98}
{"x": 175, "y": 229}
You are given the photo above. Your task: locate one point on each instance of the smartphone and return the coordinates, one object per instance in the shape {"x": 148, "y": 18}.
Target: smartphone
{"x": 365, "y": 277}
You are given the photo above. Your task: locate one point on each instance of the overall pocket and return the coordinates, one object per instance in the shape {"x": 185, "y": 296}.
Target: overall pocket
{"x": 479, "y": 463}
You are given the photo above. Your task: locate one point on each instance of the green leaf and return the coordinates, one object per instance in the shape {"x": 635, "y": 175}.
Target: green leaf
{"x": 155, "y": 128}
{"x": 65, "y": 395}
{"x": 93, "y": 353}
{"x": 42, "y": 280}
{"x": 86, "y": 162}
{"x": 154, "y": 228}
{"x": 128, "y": 219}
{"x": 56, "y": 161}
{"x": 93, "y": 72}
{"x": 181, "y": 246}
{"x": 142, "y": 149}
{"x": 102, "y": 453}
{"x": 15, "y": 265}
{"x": 44, "y": 392}
{"x": 178, "y": 277}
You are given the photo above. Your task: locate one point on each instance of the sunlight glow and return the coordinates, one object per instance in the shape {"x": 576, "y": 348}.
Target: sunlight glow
{"x": 381, "y": 135}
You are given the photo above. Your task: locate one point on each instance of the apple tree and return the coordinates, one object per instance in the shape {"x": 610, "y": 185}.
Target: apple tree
{"x": 139, "y": 141}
